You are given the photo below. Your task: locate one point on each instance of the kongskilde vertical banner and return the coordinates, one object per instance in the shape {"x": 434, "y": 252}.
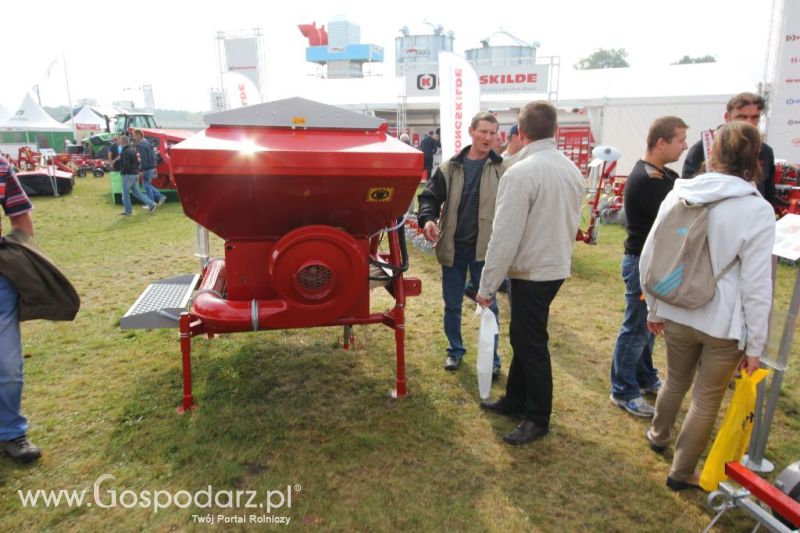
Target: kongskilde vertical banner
{"x": 241, "y": 56}
{"x": 783, "y": 129}
{"x": 460, "y": 101}
{"x": 239, "y": 90}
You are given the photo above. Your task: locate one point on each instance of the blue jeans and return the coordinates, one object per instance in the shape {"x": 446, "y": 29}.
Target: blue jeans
{"x": 130, "y": 185}
{"x": 149, "y": 189}
{"x": 12, "y": 423}
{"x": 632, "y": 364}
{"x": 454, "y": 280}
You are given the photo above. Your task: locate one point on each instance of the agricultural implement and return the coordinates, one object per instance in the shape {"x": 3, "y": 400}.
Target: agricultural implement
{"x": 302, "y": 194}
{"x": 601, "y": 179}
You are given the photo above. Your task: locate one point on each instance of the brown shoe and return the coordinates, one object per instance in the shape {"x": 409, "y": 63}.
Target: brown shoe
{"x": 526, "y": 432}
{"x": 21, "y": 449}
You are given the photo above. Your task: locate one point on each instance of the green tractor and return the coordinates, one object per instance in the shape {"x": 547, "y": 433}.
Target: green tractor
{"x": 98, "y": 146}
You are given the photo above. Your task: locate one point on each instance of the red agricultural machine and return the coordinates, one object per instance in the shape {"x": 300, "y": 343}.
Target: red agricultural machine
{"x": 601, "y": 180}
{"x": 302, "y": 194}
{"x": 162, "y": 140}
{"x": 787, "y": 187}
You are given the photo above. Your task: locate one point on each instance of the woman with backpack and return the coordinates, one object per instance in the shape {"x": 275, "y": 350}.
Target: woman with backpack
{"x": 711, "y": 339}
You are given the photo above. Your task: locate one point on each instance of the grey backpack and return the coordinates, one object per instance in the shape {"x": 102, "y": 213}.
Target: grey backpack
{"x": 679, "y": 269}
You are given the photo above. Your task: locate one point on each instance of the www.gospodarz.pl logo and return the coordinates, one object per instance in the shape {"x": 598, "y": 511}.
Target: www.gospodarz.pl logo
{"x": 106, "y": 497}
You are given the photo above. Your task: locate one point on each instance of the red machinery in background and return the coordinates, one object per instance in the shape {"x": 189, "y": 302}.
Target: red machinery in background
{"x": 162, "y": 140}
{"x": 302, "y": 194}
{"x": 601, "y": 179}
{"x": 787, "y": 187}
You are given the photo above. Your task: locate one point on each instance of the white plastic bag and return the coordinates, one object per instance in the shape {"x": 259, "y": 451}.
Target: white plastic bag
{"x": 485, "y": 359}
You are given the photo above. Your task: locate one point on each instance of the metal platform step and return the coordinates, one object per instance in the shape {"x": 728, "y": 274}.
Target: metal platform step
{"x": 161, "y": 303}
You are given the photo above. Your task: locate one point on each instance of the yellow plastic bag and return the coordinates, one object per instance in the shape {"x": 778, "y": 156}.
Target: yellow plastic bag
{"x": 734, "y": 433}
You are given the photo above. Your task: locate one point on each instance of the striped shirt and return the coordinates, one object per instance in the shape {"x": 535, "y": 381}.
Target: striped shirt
{"x": 12, "y": 197}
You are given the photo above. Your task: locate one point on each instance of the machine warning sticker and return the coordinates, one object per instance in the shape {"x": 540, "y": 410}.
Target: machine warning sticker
{"x": 299, "y": 121}
{"x": 380, "y": 194}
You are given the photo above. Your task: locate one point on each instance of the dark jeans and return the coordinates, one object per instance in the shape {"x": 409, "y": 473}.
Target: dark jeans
{"x": 454, "y": 280}
{"x": 530, "y": 378}
{"x": 632, "y": 362}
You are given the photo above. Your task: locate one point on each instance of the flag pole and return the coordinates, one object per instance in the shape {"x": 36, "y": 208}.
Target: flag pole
{"x": 69, "y": 99}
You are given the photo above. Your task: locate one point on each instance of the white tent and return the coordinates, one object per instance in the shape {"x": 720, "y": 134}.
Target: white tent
{"x": 621, "y": 103}
{"x": 31, "y": 117}
{"x": 86, "y": 121}
{"x": 4, "y": 113}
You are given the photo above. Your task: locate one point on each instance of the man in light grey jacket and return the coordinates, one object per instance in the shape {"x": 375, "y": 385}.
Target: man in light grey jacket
{"x": 536, "y": 219}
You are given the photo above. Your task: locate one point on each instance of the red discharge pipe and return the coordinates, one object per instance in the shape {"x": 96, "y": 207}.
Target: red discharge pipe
{"x": 230, "y": 315}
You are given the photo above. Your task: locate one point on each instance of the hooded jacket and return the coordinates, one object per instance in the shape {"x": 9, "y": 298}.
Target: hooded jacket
{"x": 743, "y": 227}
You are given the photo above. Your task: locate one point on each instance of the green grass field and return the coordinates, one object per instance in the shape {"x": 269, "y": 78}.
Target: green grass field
{"x": 280, "y": 409}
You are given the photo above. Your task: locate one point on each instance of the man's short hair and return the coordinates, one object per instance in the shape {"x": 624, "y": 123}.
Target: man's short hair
{"x": 138, "y": 133}
{"x": 745, "y": 99}
{"x": 538, "y": 120}
{"x": 488, "y": 117}
{"x": 513, "y": 130}
{"x": 664, "y": 128}
{"x": 124, "y": 139}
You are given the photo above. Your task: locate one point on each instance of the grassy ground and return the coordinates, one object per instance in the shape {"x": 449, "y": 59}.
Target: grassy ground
{"x": 289, "y": 408}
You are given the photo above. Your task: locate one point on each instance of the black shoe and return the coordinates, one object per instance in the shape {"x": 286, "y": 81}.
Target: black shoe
{"x": 658, "y": 448}
{"x": 21, "y": 449}
{"x": 676, "y": 485}
{"x": 526, "y": 432}
{"x": 502, "y": 407}
{"x": 452, "y": 364}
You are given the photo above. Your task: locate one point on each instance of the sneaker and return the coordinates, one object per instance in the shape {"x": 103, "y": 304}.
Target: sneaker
{"x": 21, "y": 449}
{"x": 635, "y": 406}
{"x": 162, "y": 200}
{"x": 451, "y": 363}
{"x": 652, "y": 389}
{"x": 658, "y": 448}
{"x": 153, "y": 208}
{"x": 124, "y": 214}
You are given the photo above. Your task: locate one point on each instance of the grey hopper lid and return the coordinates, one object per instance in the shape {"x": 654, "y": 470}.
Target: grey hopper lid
{"x": 294, "y": 113}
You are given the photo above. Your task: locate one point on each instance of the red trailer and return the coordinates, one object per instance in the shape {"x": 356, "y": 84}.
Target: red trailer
{"x": 302, "y": 194}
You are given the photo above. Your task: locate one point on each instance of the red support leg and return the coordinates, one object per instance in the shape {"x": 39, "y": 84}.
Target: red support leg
{"x": 186, "y": 352}
{"x": 399, "y": 339}
{"x": 398, "y": 314}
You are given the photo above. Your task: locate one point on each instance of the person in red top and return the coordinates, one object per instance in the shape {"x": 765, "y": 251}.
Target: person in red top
{"x": 13, "y": 426}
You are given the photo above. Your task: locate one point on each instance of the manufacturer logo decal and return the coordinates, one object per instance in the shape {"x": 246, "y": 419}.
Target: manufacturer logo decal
{"x": 426, "y": 82}
{"x": 380, "y": 194}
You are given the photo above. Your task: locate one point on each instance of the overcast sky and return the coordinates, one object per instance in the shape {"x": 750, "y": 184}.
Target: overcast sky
{"x": 113, "y": 48}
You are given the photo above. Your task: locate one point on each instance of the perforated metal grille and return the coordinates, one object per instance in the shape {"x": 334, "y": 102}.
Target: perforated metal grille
{"x": 314, "y": 281}
{"x": 163, "y": 294}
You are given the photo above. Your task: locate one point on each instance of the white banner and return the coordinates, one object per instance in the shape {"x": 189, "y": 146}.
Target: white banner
{"x": 241, "y": 56}
{"x": 783, "y": 129}
{"x": 240, "y": 91}
{"x": 460, "y": 101}
{"x": 149, "y": 101}
{"x": 518, "y": 78}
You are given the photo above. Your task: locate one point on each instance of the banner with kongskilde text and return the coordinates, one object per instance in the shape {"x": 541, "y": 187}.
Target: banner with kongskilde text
{"x": 460, "y": 101}
{"x": 783, "y": 130}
